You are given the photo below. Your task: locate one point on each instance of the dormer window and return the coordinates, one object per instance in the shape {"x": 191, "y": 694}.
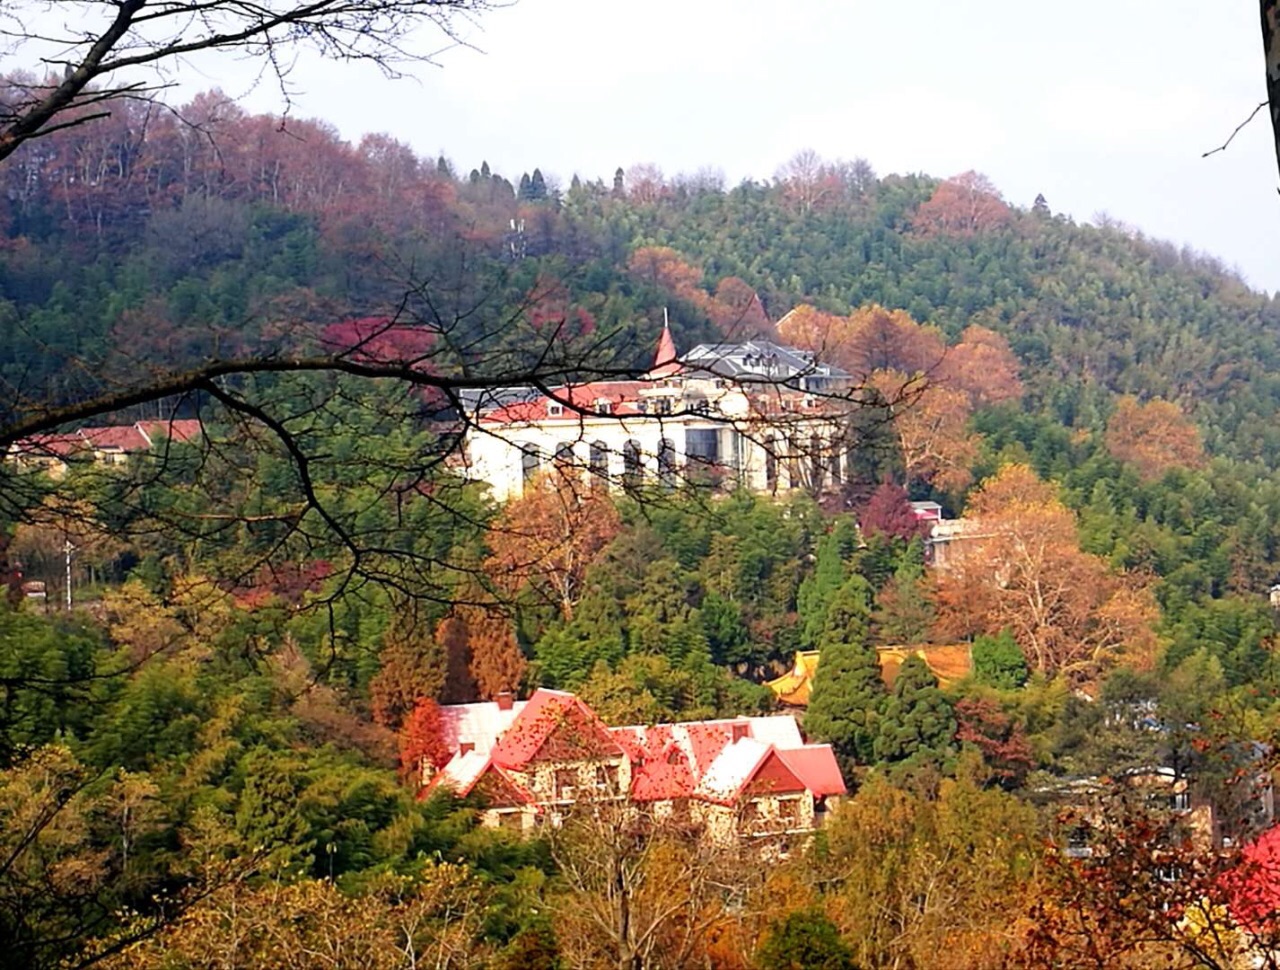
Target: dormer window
{"x": 604, "y": 406}
{"x": 554, "y": 409}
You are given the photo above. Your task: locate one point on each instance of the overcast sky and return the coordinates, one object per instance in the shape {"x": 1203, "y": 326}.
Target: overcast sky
{"x": 1101, "y": 105}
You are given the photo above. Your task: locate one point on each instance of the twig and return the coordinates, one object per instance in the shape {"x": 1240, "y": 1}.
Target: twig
{"x": 1223, "y": 147}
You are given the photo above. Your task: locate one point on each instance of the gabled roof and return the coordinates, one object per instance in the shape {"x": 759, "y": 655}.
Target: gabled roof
{"x": 815, "y": 765}
{"x": 49, "y": 445}
{"x": 949, "y": 662}
{"x": 794, "y": 686}
{"x": 478, "y": 725}
{"x": 742, "y": 764}
{"x": 473, "y": 771}
{"x": 554, "y": 725}
{"x": 175, "y": 429}
{"x": 121, "y": 437}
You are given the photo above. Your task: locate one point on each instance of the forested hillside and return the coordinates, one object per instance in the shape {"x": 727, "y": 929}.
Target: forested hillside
{"x": 206, "y": 747}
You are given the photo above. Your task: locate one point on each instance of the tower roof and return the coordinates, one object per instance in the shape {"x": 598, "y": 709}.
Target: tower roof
{"x": 666, "y": 362}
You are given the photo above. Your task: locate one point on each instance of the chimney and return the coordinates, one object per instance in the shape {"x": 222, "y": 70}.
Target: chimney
{"x": 504, "y": 700}
{"x": 738, "y": 730}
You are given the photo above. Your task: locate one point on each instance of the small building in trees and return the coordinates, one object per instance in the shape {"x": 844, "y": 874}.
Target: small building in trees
{"x": 948, "y": 662}
{"x": 54, "y": 454}
{"x": 532, "y": 761}
{"x": 755, "y": 414}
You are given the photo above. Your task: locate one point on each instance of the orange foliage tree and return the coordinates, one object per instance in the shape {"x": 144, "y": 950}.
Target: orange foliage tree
{"x": 1020, "y": 567}
{"x": 736, "y": 310}
{"x": 1153, "y": 437}
{"x": 983, "y": 367}
{"x": 496, "y": 662}
{"x": 825, "y": 335}
{"x": 931, "y": 424}
{"x": 963, "y": 206}
{"x": 545, "y": 540}
{"x": 422, "y": 739}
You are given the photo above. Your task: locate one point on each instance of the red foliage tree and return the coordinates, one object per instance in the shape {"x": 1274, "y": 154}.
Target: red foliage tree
{"x": 888, "y": 512}
{"x": 1003, "y": 746}
{"x": 422, "y": 740}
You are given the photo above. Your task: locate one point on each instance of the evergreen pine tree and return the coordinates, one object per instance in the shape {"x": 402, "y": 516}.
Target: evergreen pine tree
{"x": 829, "y": 573}
{"x": 918, "y": 724}
{"x": 537, "y": 185}
{"x": 904, "y": 610}
{"x": 443, "y": 168}
{"x": 999, "y": 662}
{"x": 847, "y": 689}
{"x": 525, "y": 191}
{"x": 484, "y": 170}
{"x": 576, "y": 184}
{"x": 619, "y": 183}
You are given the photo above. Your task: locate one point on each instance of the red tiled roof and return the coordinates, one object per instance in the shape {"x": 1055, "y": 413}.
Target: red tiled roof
{"x": 125, "y": 437}
{"x": 178, "y": 429}
{"x": 49, "y": 445}
{"x": 815, "y": 765}
{"x": 556, "y": 726}
{"x": 473, "y": 771}
{"x": 741, "y": 765}
{"x": 578, "y": 401}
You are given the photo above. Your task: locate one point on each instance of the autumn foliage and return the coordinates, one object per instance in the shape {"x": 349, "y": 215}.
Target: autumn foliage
{"x": 1153, "y": 437}
{"x": 964, "y": 205}
{"x": 1020, "y": 567}
{"x": 544, "y": 541}
{"x": 422, "y": 739}
{"x": 932, "y": 389}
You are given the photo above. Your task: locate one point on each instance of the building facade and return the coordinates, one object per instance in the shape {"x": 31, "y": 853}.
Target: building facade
{"x": 755, "y": 415}
{"x": 532, "y": 762}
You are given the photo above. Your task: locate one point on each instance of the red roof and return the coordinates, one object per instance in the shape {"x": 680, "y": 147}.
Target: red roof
{"x": 576, "y": 400}
{"x": 555, "y": 726}
{"x": 660, "y": 767}
{"x": 125, "y": 437}
{"x": 49, "y": 445}
{"x": 473, "y": 771}
{"x": 815, "y": 765}
{"x": 666, "y": 362}
{"x": 178, "y": 429}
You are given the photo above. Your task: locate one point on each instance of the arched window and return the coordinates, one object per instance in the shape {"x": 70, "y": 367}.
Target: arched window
{"x": 530, "y": 459}
{"x": 771, "y": 463}
{"x": 632, "y": 466}
{"x": 564, "y": 454}
{"x": 666, "y": 462}
{"x": 598, "y": 460}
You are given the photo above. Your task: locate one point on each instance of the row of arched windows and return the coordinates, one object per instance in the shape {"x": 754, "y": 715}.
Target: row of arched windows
{"x": 598, "y": 460}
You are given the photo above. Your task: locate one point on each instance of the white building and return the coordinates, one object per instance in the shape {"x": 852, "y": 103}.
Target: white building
{"x": 754, "y": 414}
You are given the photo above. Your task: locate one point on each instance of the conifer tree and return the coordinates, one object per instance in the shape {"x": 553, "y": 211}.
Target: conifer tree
{"x": 918, "y": 725}
{"x": 904, "y": 609}
{"x": 829, "y": 573}
{"x": 847, "y": 689}
{"x": 537, "y": 185}
{"x": 525, "y": 191}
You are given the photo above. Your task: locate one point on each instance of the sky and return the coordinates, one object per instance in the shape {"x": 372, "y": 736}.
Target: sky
{"x": 1103, "y": 106}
